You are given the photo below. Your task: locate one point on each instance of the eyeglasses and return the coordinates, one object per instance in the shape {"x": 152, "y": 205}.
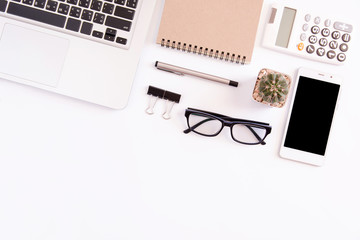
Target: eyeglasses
{"x": 210, "y": 124}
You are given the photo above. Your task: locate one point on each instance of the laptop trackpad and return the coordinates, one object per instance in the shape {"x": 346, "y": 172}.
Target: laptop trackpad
{"x": 32, "y": 55}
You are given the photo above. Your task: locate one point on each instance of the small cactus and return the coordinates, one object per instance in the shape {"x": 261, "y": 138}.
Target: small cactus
{"x": 271, "y": 88}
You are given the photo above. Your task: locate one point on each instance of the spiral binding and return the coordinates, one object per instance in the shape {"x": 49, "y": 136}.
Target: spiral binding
{"x": 203, "y": 51}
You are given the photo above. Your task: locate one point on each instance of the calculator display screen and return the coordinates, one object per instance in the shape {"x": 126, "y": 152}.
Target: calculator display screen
{"x": 312, "y": 115}
{"x": 286, "y": 25}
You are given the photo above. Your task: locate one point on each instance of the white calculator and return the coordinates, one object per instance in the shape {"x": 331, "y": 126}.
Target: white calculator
{"x": 317, "y": 37}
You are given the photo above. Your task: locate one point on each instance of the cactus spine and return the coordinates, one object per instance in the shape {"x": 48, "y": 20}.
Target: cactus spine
{"x": 273, "y": 88}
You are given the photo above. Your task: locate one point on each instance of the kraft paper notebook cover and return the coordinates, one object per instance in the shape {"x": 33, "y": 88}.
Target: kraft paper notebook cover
{"x": 223, "y": 29}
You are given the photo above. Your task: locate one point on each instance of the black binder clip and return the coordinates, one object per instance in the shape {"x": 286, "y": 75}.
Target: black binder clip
{"x": 157, "y": 93}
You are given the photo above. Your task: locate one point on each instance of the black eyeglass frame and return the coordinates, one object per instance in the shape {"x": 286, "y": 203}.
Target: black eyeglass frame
{"x": 229, "y": 122}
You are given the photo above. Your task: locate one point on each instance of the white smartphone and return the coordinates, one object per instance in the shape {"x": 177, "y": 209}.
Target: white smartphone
{"x": 313, "y": 105}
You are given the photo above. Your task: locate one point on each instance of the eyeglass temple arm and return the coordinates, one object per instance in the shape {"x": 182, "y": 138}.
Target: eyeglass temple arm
{"x": 256, "y": 135}
{"x": 196, "y": 125}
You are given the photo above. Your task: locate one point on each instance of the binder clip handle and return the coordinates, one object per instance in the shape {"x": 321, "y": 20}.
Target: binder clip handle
{"x": 157, "y": 93}
{"x": 171, "y": 98}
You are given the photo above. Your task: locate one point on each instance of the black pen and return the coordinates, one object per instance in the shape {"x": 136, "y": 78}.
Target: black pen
{"x": 183, "y": 71}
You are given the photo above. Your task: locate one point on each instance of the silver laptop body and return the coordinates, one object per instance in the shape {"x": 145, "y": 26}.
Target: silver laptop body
{"x": 86, "y": 49}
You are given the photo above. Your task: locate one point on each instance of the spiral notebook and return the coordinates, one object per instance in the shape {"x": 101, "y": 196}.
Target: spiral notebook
{"x": 223, "y": 29}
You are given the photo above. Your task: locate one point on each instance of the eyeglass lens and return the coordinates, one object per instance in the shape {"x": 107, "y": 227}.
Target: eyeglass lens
{"x": 248, "y": 133}
{"x": 204, "y": 124}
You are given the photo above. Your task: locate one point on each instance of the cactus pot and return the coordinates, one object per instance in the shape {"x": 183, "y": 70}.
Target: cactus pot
{"x": 272, "y": 88}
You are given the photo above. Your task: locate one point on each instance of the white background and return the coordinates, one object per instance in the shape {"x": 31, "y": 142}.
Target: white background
{"x": 73, "y": 170}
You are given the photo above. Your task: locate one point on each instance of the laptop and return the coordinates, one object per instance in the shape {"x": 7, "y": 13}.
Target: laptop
{"x": 85, "y": 49}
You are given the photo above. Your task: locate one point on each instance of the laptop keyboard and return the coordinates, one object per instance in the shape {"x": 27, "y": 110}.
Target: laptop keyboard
{"x": 110, "y": 22}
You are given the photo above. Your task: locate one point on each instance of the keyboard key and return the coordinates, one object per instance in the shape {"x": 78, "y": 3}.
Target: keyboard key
{"x": 28, "y": 2}
{"x": 132, "y": 3}
{"x": 73, "y": 24}
{"x": 36, "y": 14}
{"x": 121, "y": 40}
{"x": 86, "y": 28}
{"x": 120, "y": 2}
{"x": 110, "y": 31}
{"x": 99, "y": 18}
{"x": 40, "y": 3}
{"x": 87, "y": 15}
{"x": 63, "y": 8}
{"x": 124, "y": 12}
{"x": 97, "y": 34}
{"x": 84, "y": 3}
{"x": 75, "y": 12}
{"x": 118, "y": 23}
{"x": 109, "y": 37}
{"x": 96, "y": 5}
{"x": 3, "y": 5}
{"x": 108, "y": 8}
{"x": 74, "y": 2}
{"x": 110, "y": 34}
{"x": 51, "y": 5}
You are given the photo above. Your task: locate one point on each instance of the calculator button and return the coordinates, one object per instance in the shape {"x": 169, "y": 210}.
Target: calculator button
{"x": 343, "y": 47}
{"x": 327, "y": 23}
{"x": 317, "y": 20}
{"x": 341, "y": 57}
{"x": 307, "y": 17}
{"x": 305, "y": 27}
{"x": 312, "y": 39}
{"x": 333, "y": 44}
{"x": 331, "y": 54}
{"x": 323, "y": 42}
{"x": 320, "y": 52}
{"x": 310, "y": 49}
{"x": 300, "y": 46}
{"x": 315, "y": 29}
{"x": 343, "y": 27}
{"x": 346, "y": 37}
{"x": 335, "y": 35}
{"x": 325, "y": 32}
{"x": 303, "y": 37}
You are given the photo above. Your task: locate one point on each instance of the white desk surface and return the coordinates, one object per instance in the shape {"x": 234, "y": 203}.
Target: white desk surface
{"x": 73, "y": 170}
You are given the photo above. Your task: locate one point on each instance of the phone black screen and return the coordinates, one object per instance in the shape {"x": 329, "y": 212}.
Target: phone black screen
{"x": 312, "y": 115}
